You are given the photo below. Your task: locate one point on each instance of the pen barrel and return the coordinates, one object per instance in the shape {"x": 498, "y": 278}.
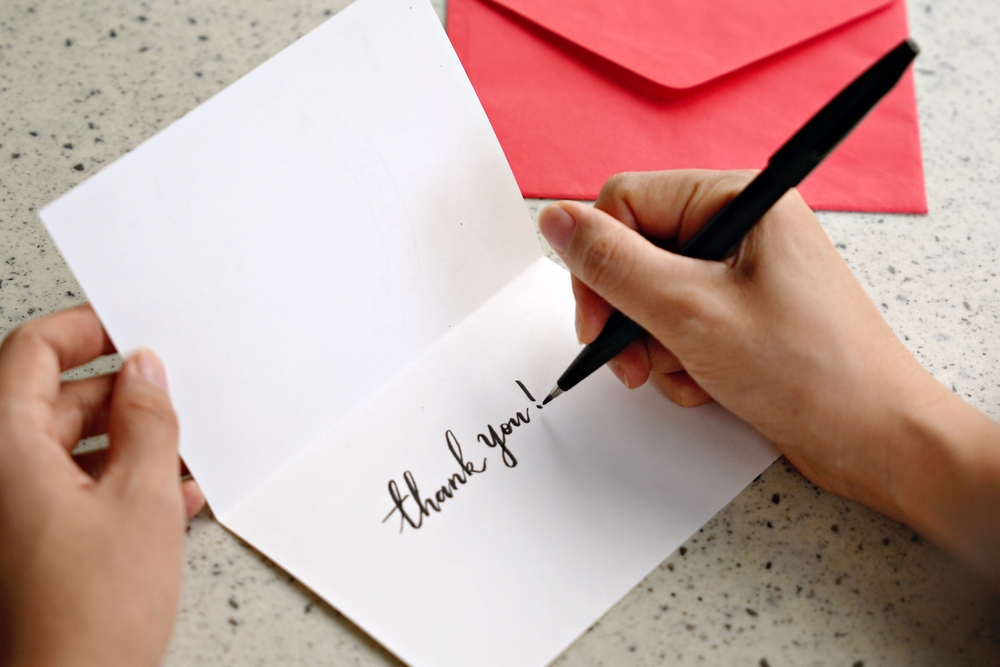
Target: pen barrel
{"x": 615, "y": 337}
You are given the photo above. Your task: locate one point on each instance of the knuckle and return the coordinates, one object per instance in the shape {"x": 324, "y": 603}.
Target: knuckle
{"x": 616, "y": 194}
{"x": 724, "y": 188}
{"x": 613, "y": 185}
{"x": 28, "y": 337}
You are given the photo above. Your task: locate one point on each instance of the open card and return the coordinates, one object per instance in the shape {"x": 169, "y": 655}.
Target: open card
{"x": 333, "y": 259}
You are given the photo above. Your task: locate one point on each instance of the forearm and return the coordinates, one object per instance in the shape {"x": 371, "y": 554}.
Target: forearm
{"x": 947, "y": 481}
{"x": 903, "y": 444}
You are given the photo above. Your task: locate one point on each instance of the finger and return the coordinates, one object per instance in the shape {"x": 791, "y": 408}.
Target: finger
{"x": 661, "y": 360}
{"x": 669, "y": 206}
{"x": 82, "y": 409}
{"x": 143, "y": 431}
{"x": 631, "y": 366}
{"x": 681, "y": 389}
{"x": 592, "y": 312}
{"x": 95, "y": 462}
{"x": 194, "y": 499}
{"x": 643, "y": 357}
{"x": 650, "y": 285}
{"x": 34, "y": 354}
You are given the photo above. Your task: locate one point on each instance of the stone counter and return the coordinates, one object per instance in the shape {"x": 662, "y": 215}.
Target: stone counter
{"x": 785, "y": 575}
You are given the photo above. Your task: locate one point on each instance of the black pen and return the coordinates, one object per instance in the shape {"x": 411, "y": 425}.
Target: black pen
{"x": 785, "y": 170}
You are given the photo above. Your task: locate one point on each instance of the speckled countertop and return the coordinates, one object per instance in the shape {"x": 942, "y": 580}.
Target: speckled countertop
{"x": 785, "y": 575}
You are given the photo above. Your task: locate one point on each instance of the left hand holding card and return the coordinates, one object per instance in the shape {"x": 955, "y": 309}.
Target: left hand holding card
{"x": 90, "y": 568}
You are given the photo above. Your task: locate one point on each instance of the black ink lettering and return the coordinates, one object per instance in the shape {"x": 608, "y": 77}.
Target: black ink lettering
{"x": 398, "y": 502}
{"x": 411, "y": 484}
{"x": 500, "y": 440}
{"x": 509, "y": 459}
{"x": 456, "y": 450}
{"x": 466, "y": 470}
{"x": 447, "y": 490}
{"x": 528, "y": 393}
{"x": 525, "y": 390}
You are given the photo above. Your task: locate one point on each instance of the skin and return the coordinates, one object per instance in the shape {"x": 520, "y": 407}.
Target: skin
{"x": 782, "y": 335}
{"x": 90, "y": 565}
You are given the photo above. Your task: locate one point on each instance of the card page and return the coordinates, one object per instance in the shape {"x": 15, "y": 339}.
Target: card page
{"x": 534, "y": 521}
{"x": 290, "y": 244}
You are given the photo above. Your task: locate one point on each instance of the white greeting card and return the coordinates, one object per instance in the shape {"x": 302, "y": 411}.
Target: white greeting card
{"x": 333, "y": 259}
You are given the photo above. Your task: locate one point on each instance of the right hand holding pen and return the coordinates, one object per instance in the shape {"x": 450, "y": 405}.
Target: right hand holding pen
{"x": 782, "y": 335}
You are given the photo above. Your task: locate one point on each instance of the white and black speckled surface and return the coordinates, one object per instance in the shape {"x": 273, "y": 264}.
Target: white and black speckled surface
{"x": 785, "y": 575}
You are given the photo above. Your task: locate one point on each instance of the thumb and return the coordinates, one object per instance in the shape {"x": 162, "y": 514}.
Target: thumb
{"x": 618, "y": 263}
{"x": 142, "y": 429}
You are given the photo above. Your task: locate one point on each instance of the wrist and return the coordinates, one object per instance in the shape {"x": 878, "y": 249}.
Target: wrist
{"x": 868, "y": 438}
{"x": 946, "y": 478}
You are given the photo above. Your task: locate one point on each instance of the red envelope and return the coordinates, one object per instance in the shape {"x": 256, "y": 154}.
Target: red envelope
{"x": 578, "y": 90}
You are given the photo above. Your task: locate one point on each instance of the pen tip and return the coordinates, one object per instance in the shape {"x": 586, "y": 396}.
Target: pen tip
{"x": 547, "y": 399}
{"x": 552, "y": 394}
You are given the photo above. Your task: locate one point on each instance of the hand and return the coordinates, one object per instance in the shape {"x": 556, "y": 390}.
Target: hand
{"x": 90, "y": 568}
{"x": 782, "y": 335}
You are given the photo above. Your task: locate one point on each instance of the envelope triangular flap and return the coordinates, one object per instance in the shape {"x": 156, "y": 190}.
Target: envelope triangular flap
{"x": 685, "y": 43}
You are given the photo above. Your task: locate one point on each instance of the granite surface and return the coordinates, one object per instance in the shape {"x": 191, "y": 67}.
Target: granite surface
{"x": 785, "y": 575}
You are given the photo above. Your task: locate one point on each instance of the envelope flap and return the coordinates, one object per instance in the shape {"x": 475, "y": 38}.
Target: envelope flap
{"x": 682, "y": 44}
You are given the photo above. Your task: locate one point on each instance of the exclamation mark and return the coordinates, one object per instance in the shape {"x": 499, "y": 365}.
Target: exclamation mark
{"x": 528, "y": 394}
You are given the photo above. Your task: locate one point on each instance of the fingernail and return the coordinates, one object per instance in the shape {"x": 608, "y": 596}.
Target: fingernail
{"x": 557, "y": 227}
{"x": 150, "y": 368}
